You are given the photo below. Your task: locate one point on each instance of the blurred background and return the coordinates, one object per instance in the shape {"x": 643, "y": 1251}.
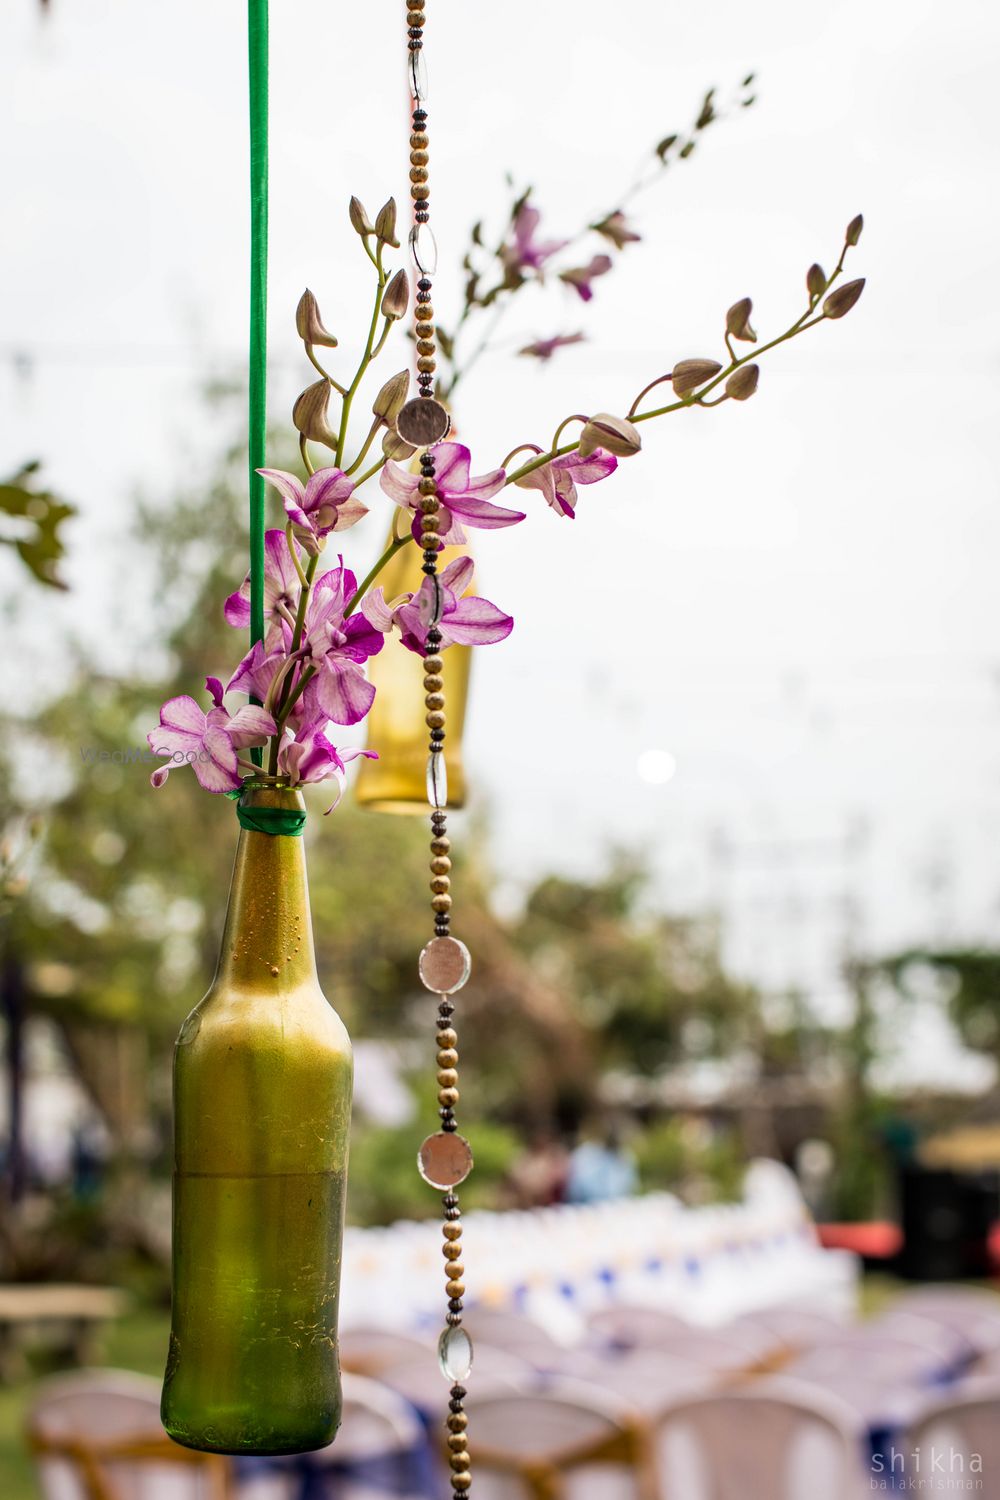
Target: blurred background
{"x": 728, "y": 863}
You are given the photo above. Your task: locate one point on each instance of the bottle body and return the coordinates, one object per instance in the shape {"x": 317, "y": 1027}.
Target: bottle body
{"x": 262, "y": 1097}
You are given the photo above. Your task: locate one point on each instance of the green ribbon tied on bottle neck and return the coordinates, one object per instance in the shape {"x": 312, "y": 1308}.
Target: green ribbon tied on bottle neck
{"x": 286, "y": 821}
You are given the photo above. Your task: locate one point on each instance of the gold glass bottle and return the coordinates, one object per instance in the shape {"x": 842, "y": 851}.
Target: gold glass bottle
{"x": 262, "y": 1104}
{"x": 397, "y": 781}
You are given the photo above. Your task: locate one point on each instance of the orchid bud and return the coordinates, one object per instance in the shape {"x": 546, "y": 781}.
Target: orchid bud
{"x": 743, "y": 382}
{"x": 385, "y": 224}
{"x": 309, "y": 414}
{"x": 309, "y": 324}
{"x": 360, "y": 221}
{"x": 688, "y": 374}
{"x": 392, "y": 397}
{"x": 394, "y": 447}
{"x": 843, "y": 298}
{"x": 854, "y": 229}
{"x": 613, "y": 434}
{"x": 396, "y": 298}
{"x": 815, "y": 282}
{"x": 738, "y": 321}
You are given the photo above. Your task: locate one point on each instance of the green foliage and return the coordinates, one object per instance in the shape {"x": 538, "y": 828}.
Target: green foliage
{"x": 691, "y": 1158}
{"x": 383, "y": 1183}
{"x": 30, "y": 521}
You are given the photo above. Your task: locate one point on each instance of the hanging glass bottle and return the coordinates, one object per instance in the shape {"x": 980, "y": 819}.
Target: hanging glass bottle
{"x": 397, "y": 781}
{"x": 262, "y": 1103}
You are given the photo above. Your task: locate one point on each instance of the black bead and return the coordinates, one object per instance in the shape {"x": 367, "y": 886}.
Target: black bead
{"x": 424, "y": 284}
{"x": 420, "y": 114}
{"x": 422, "y": 217}
{"x": 451, "y": 1214}
{"x": 450, "y": 1200}
{"x": 422, "y": 204}
{"x": 458, "y": 1393}
{"x": 454, "y": 1319}
{"x": 450, "y": 1126}
{"x": 414, "y": 46}
{"x": 415, "y": 31}
{"x": 455, "y": 1304}
{"x": 430, "y": 568}
{"x": 455, "y": 1404}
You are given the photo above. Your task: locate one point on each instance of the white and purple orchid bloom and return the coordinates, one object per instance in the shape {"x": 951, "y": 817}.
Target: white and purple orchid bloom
{"x": 558, "y": 480}
{"x": 463, "y": 499}
{"x": 207, "y": 742}
{"x": 323, "y": 504}
{"x": 281, "y": 593}
{"x": 581, "y": 277}
{"x": 337, "y": 648}
{"x": 463, "y": 621}
{"x": 310, "y": 757}
{"x": 526, "y": 252}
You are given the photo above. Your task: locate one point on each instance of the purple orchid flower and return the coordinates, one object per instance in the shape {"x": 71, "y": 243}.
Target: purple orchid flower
{"x": 337, "y": 648}
{"x": 580, "y": 277}
{"x": 526, "y": 253}
{"x": 558, "y": 480}
{"x": 281, "y": 592}
{"x": 207, "y": 742}
{"x": 325, "y": 503}
{"x": 543, "y": 349}
{"x": 463, "y": 622}
{"x": 310, "y": 757}
{"x": 462, "y": 497}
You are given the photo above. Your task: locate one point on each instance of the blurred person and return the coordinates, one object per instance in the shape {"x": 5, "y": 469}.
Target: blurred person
{"x": 539, "y": 1175}
{"x": 601, "y": 1169}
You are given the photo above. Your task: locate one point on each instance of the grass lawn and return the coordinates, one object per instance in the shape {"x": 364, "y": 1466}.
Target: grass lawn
{"x": 138, "y": 1343}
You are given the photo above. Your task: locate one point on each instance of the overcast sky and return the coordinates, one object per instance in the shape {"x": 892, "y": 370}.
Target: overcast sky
{"x": 795, "y": 598}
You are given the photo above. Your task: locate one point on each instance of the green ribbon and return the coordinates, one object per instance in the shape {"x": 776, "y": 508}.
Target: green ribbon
{"x": 257, "y": 18}
{"x": 288, "y": 821}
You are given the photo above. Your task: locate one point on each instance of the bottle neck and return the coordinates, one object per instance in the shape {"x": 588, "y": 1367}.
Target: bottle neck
{"x": 268, "y": 940}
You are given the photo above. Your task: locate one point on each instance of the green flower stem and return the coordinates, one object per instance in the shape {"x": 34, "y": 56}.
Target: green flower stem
{"x": 373, "y": 470}
{"x": 394, "y": 546}
{"x": 366, "y": 358}
{"x": 382, "y": 338}
{"x": 325, "y": 373}
{"x": 290, "y": 535}
{"x": 565, "y": 423}
{"x": 365, "y": 446}
{"x": 304, "y": 450}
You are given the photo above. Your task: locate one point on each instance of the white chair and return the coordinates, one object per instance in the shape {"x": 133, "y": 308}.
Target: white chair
{"x": 496, "y": 1372}
{"x": 961, "y": 1436}
{"x": 510, "y": 1330}
{"x": 381, "y": 1448}
{"x": 775, "y": 1441}
{"x": 796, "y": 1327}
{"x": 96, "y": 1435}
{"x": 563, "y": 1443}
{"x": 628, "y": 1325}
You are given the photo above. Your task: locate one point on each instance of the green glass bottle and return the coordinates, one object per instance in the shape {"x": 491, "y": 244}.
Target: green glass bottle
{"x": 262, "y": 1104}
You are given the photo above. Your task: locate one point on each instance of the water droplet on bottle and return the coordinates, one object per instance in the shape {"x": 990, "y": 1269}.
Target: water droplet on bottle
{"x": 418, "y": 75}
{"x": 423, "y": 249}
{"x": 437, "y": 780}
{"x": 455, "y": 1354}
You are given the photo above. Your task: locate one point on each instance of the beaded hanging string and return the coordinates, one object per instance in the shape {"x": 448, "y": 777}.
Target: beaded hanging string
{"x": 445, "y": 1158}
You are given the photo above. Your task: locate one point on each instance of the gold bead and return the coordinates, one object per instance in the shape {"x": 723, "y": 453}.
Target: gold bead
{"x": 427, "y": 487}
{"x": 447, "y": 1078}
{"x": 441, "y": 903}
{"x": 451, "y": 1252}
{"x": 440, "y": 885}
{"x": 419, "y": 190}
{"x": 426, "y": 366}
{"x": 430, "y": 521}
{"x": 452, "y": 1231}
{"x": 458, "y": 1442}
{"x": 433, "y": 683}
{"x": 436, "y": 719}
{"x": 447, "y": 1057}
{"x": 434, "y": 701}
{"x": 426, "y": 346}
{"x": 439, "y": 846}
{"x": 440, "y": 866}
{"x": 461, "y": 1481}
{"x": 433, "y": 664}
{"x": 419, "y": 158}
{"x": 457, "y": 1420}
{"x": 455, "y": 1270}
{"x": 448, "y": 1098}
{"x": 425, "y": 312}
{"x": 418, "y": 174}
{"x": 420, "y": 140}
{"x": 447, "y": 1037}
{"x": 424, "y": 329}
{"x": 459, "y": 1461}
{"x": 455, "y": 1288}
